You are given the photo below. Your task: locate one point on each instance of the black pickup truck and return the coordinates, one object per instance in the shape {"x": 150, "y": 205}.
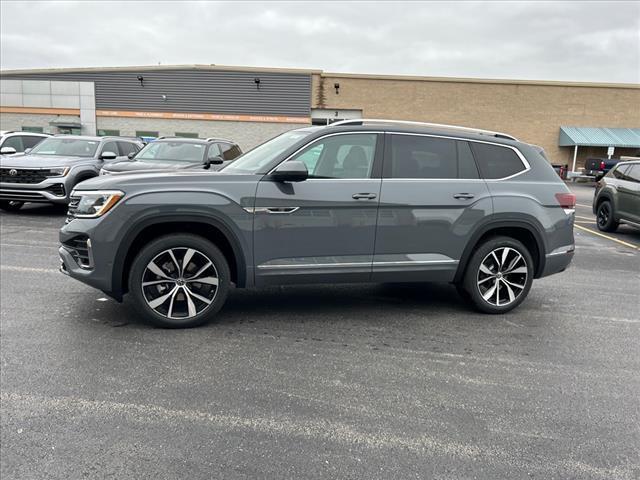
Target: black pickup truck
{"x": 599, "y": 167}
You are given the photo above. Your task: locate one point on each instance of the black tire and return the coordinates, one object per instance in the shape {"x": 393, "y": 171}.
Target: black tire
{"x": 504, "y": 278}
{"x": 185, "y": 293}
{"x": 604, "y": 217}
{"x": 10, "y": 205}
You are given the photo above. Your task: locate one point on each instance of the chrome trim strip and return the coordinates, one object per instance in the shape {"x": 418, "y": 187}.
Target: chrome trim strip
{"x": 357, "y": 264}
{"x": 562, "y": 250}
{"x": 273, "y": 210}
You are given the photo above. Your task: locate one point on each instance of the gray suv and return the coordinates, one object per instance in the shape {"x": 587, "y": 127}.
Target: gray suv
{"x": 357, "y": 201}
{"x": 54, "y": 166}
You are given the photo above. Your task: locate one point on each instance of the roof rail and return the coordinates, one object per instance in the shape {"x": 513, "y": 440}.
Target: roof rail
{"x": 424, "y": 124}
{"x": 212, "y": 139}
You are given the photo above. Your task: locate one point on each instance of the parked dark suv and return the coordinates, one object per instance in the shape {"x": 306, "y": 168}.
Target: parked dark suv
{"x": 357, "y": 201}
{"x": 617, "y": 197}
{"x": 175, "y": 153}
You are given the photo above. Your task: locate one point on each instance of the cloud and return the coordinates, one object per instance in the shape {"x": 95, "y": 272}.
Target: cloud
{"x": 582, "y": 41}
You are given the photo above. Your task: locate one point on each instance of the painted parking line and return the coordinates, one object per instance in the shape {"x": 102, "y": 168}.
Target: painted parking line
{"x": 586, "y": 206}
{"x": 626, "y": 244}
{"x": 585, "y": 218}
{"x": 16, "y": 268}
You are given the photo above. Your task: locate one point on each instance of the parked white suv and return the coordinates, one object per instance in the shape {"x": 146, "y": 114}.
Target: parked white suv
{"x": 17, "y": 142}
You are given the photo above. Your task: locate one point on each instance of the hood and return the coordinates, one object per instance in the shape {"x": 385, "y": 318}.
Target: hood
{"x": 42, "y": 161}
{"x": 185, "y": 179}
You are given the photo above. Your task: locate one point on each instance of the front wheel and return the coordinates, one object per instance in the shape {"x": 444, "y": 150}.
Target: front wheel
{"x": 10, "y": 205}
{"x": 179, "y": 281}
{"x": 499, "y": 275}
{"x": 604, "y": 217}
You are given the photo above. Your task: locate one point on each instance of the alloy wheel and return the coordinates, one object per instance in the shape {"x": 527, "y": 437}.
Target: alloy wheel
{"x": 180, "y": 283}
{"x": 603, "y": 215}
{"x": 502, "y": 276}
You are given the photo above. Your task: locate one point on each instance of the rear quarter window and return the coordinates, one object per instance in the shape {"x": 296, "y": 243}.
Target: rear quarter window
{"x": 495, "y": 161}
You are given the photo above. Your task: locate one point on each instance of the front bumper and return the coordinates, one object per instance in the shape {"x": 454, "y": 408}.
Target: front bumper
{"x": 52, "y": 190}
{"x": 82, "y": 267}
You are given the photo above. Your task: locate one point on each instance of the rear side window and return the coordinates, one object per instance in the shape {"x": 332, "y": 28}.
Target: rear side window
{"x": 618, "y": 172}
{"x": 414, "y": 156}
{"x": 633, "y": 174}
{"x": 495, "y": 161}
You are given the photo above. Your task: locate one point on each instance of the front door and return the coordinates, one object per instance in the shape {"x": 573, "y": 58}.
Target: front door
{"x": 629, "y": 194}
{"x": 431, "y": 199}
{"x": 323, "y": 228}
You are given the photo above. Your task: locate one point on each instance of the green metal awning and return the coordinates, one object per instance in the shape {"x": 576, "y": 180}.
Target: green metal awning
{"x": 599, "y": 137}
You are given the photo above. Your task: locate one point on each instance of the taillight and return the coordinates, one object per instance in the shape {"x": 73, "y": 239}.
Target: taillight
{"x": 567, "y": 201}
{"x": 601, "y": 165}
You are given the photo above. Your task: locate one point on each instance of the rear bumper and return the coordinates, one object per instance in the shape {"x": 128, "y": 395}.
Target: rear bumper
{"x": 558, "y": 260}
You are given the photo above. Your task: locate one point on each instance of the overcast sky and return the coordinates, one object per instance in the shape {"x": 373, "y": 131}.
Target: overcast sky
{"x": 582, "y": 41}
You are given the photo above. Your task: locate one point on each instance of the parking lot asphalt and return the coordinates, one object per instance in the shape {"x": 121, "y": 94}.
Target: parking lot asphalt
{"x": 364, "y": 381}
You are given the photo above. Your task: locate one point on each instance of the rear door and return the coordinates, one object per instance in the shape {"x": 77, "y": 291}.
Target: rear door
{"x": 323, "y": 228}
{"x": 432, "y": 198}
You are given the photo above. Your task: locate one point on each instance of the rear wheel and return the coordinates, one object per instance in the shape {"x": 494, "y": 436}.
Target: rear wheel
{"x": 499, "y": 275}
{"x": 604, "y": 217}
{"x": 10, "y": 205}
{"x": 179, "y": 281}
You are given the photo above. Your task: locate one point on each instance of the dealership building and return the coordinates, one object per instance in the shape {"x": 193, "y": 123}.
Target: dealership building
{"x": 570, "y": 120}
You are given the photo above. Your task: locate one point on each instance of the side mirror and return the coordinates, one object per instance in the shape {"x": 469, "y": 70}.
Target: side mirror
{"x": 108, "y": 156}
{"x": 131, "y": 155}
{"x": 7, "y": 151}
{"x": 217, "y": 160}
{"x": 293, "y": 171}
{"x": 599, "y": 177}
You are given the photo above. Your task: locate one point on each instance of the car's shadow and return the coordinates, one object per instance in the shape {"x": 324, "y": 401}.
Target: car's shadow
{"x": 320, "y": 303}
{"x": 38, "y": 210}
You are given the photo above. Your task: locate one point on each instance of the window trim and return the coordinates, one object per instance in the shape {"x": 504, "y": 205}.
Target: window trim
{"x": 481, "y": 179}
{"x": 378, "y": 155}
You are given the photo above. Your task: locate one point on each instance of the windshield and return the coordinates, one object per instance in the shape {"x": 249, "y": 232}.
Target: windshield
{"x": 254, "y": 160}
{"x": 172, "y": 152}
{"x": 68, "y": 147}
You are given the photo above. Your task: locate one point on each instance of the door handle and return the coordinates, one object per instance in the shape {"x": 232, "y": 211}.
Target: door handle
{"x": 364, "y": 196}
{"x": 465, "y": 196}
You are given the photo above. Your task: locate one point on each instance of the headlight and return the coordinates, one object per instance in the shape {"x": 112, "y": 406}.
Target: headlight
{"x": 97, "y": 203}
{"x": 58, "y": 171}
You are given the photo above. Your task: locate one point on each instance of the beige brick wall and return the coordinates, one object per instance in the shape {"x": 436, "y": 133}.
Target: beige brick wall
{"x": 531, "y": 112}
{"x": 15, "y": 121}
{"x": 246, "y": 134}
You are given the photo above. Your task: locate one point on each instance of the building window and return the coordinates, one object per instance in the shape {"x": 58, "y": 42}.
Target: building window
{"x": 147, "y": 134}
{"x": 108, "y": 133}
{"x": 33, "y": 129}
{"x": 186, "y": 135}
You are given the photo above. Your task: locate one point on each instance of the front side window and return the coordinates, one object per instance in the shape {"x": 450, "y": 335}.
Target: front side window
{"x": 618, "y": 172}
{"x": 61, "y": 146}
{"x": 495, "y": 161}
{"x": 111, "y": 147}
{"x": 172, "y": 152}
{"x": 14, "y": 142}
{"x": 340, "y": 156}
{"x": 414, "y": 156}
{"x": 127, "y": 148}
{"x": 229, "y": 151}
{"x": 257, "y": 159}
{"x": 30, "y": 141}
